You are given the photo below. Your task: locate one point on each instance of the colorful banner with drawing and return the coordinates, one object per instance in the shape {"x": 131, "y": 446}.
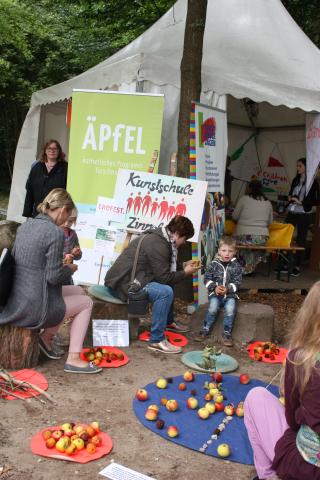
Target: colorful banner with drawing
{"x": 153, "y": 200}
{"x": 208, "y": 154}
{"x": 110, "y": 130}
{"x": 312, "y": 146}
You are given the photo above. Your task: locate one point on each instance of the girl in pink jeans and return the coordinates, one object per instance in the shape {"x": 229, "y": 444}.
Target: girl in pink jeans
{"x": 286, "y": 440}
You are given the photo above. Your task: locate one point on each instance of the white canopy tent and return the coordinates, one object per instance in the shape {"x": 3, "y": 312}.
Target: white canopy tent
{"x": 252, "y": 49}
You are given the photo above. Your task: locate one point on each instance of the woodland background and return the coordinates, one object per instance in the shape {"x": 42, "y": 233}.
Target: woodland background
{"x": 45, "y": 42}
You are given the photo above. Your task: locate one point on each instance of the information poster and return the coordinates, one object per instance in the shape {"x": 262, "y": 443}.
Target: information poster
{"x": 152, "y": 200}
{"x": 109, "y": 130}
{"x": 211, "y": 144}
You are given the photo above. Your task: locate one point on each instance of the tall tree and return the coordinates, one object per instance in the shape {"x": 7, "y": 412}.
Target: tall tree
{"x": 190, "y": 77}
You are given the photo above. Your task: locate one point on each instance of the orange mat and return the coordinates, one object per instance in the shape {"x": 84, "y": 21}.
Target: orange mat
{"x": 111, "y": 363}
{"x": 278, "y": 358}
{"x": 38, "y": 447}
{"x": 27, "y": 375}
{"x": 174, "y": 338}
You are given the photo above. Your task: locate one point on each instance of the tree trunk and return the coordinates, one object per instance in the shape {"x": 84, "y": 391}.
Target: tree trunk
{"x": 190, "y": 77}
{"x": 19, "y": 347}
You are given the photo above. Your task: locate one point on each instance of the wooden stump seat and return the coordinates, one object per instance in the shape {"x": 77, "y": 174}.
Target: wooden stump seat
{"x": 19, "y": 348}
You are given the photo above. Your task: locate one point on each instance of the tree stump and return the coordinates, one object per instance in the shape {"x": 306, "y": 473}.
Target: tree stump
{"x": 19, "y": 348}
{"x": 254, "y": 321}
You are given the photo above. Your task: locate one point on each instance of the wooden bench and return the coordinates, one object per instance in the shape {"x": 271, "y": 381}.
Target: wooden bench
{"x": 283, "y": 253}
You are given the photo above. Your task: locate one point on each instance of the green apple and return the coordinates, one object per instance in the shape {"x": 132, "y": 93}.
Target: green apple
{"x": 223, "y": 450}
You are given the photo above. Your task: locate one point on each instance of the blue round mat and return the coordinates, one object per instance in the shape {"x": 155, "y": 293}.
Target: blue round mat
{"x": 225, "y": 363}
{"x": 194, "y": 432}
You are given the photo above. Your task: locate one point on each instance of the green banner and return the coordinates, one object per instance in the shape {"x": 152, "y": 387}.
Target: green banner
{"x": 110, "y": 130}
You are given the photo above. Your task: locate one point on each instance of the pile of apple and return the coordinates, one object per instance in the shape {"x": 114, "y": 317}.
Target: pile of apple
{"x": 97, "y": 354}
{"x": 71, "y": 438}
{"x": 265, "y": 350}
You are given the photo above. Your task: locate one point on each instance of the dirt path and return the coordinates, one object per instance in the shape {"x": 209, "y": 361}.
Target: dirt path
{"x": 107, "y": 398}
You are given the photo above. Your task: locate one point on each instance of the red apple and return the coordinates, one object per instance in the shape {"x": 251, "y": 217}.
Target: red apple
{"x": 57, "y": 434}
{"x": 229, "y": 409}
{"x": 208, "y": 397}
{"x": 244, "y": 378}
{"x": 71, "y": 449}
{"x": 141, "y": 395}
{"x": 91, "y": 448}
{"x": 240, "y": 410}
{"x": 163, "y": 401}
{"x": 182, "y": 386}
{"x": 172, "y": 405}
{"x": 172, "y": 431}
{"x": 46, "y": 434}
{"x": 91, "y": 431}
{"x": 188, "y": 376}
{"x": 219, "y": 407}
{"x": 192, "y": 403}
{"x": 154, "y": 407}
{"x": 96, "y": 440}
{"x": 150, "y": 414}
{"x": 217, "y": 377}
{"x": 50, "y": 443}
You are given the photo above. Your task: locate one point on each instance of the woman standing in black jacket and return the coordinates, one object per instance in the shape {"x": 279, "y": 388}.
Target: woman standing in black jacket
{"x": 48, "y": 173}
{"x": 300, "y": 208}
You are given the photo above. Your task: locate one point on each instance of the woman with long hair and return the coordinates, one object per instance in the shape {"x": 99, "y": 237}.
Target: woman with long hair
{"x": 286, "y": 440}
{"x": 253, "y": 214}
{"x": 46, "y": 174}
{"x": 38, "y": 299}
{"x": 300, "y": 209}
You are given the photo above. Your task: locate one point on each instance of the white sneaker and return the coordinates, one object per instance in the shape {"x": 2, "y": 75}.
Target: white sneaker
{"x": 165, "y": 347}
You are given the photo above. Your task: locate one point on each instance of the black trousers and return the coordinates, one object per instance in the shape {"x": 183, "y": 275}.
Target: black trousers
{"x": 302, "y": 221}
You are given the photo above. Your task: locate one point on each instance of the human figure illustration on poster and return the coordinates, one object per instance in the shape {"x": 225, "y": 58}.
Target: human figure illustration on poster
{"x": 147, "y": 206}
{"x": 212, "y": 226}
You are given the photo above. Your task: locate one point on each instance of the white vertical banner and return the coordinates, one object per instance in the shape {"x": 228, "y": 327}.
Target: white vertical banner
{"x": 312, "y": 146}
{"x": 211, "y": 146}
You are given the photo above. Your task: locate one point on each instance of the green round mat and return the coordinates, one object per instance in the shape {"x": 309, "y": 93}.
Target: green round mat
{"x": 225, "y": 363}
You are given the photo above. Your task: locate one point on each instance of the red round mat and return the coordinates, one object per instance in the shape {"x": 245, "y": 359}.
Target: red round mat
{"x": 27, "y": 375}
{"x": 282, "y": 355}
{"x": 174, "y": 338}
{"x": 104, "y": 363}
{"x": 38, "y": 447}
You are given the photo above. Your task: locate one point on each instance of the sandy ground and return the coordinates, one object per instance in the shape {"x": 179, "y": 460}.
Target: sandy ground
{"x": 107, "y": 398}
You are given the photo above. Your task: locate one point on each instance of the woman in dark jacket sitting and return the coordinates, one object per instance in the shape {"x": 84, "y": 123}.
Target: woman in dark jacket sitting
{"x": 46, "y": 174}
{"x": 300, "y": 208}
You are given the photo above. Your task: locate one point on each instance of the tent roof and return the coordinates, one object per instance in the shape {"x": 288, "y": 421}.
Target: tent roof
{"x": 251, "y": 49}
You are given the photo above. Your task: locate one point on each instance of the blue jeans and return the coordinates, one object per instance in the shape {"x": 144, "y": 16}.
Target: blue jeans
{"x": 161, "y": 297}
{"x": 229, "y": 304}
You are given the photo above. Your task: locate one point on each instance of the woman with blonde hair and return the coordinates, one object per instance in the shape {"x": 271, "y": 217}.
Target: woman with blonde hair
{"x": 286, "y": 440}
{"x": 38, "y": 299}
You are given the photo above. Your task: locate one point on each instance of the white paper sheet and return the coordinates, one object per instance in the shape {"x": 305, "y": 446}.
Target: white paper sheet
{"x": 115, "y": 471}
{"x": 113, "y": 333}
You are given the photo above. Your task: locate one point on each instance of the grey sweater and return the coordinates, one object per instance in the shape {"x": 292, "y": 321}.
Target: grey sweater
{"x": 253, "y": 217}
{"x": 36, "y": 297}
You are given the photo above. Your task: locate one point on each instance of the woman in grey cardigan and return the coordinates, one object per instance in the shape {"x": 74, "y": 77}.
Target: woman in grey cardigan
{"x": 253, "y": 215}
{"x": 38, "y": 300}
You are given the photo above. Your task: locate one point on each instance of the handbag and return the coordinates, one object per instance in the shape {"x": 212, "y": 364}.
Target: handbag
{"x": 6, "y": 275}
{"x": 138, "y": 298}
